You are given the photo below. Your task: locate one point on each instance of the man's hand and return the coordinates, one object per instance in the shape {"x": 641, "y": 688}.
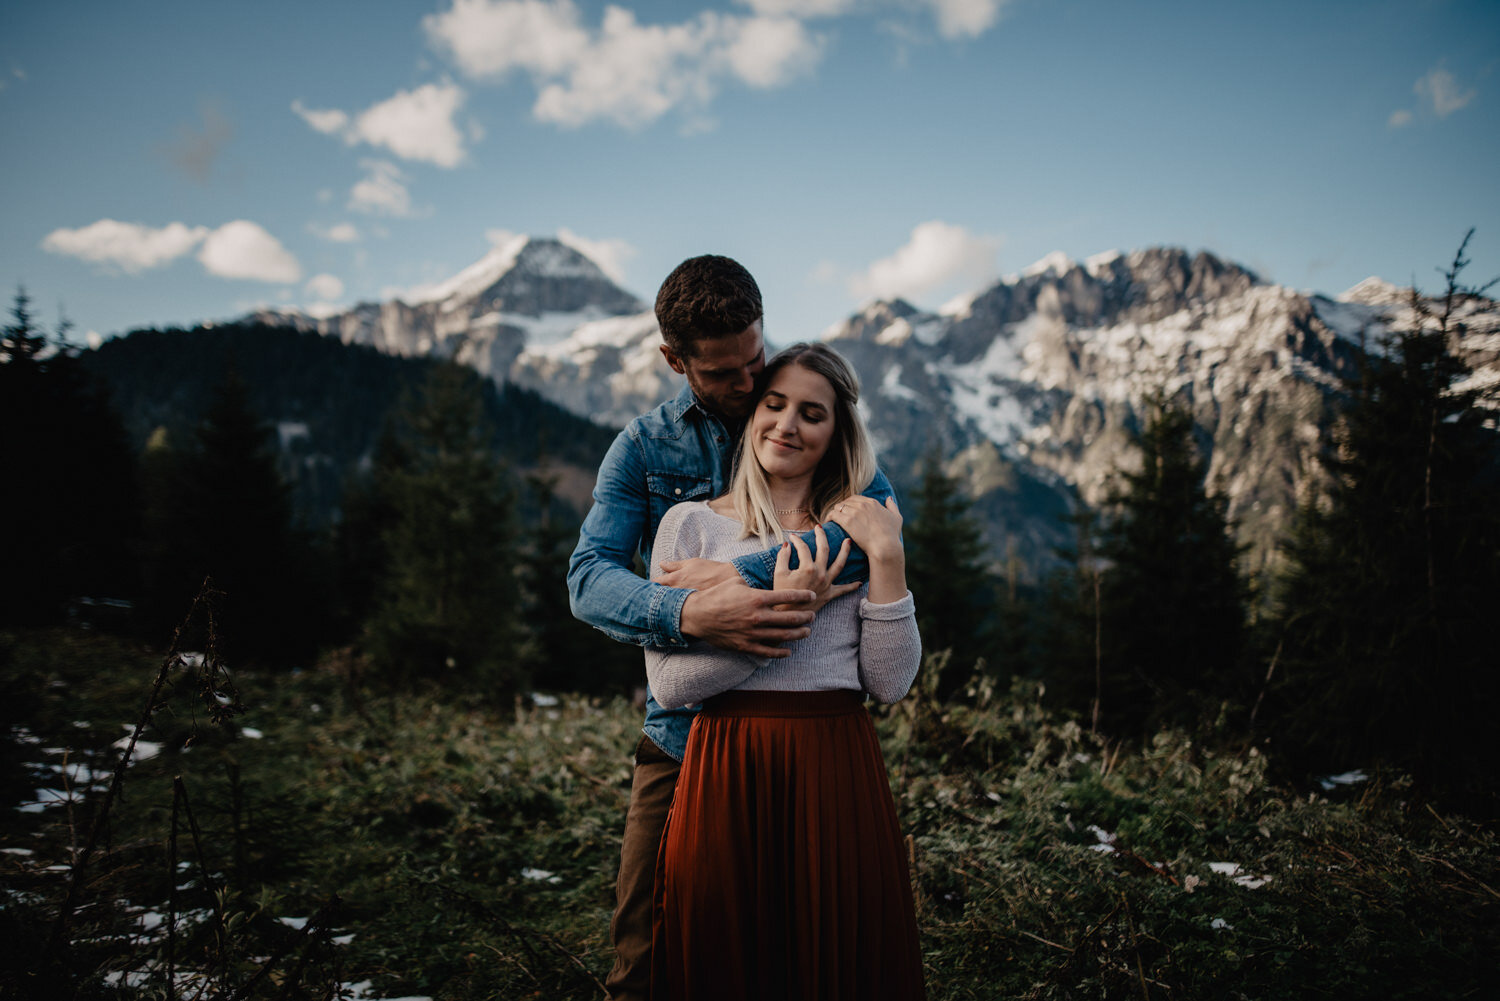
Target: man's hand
{"x": 735, "y": 616}
{"x": 695, "y": 573}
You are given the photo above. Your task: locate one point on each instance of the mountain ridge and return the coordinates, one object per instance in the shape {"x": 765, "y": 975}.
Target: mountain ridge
{"x": 1030, "y": 385}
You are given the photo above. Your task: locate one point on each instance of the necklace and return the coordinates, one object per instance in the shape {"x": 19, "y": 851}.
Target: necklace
{"x": 791, "y": 510}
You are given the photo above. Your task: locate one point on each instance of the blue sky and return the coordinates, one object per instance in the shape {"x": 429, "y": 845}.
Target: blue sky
{"x": 171, "y": 162}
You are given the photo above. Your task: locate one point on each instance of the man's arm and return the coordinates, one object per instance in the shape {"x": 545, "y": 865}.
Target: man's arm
{"x": 603, "y": 590}
{"x": 758, "y": 569}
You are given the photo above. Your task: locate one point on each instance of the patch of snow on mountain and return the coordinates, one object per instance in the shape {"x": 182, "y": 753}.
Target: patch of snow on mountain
{"x": 549, "y": 328}
{"x": 892, "y": 386}
{"x": 587, "y": 335}
{"x": 1374, "y": 291}
{"x": 474, "y": 279}
{"x": 960, "y": 305}
{"x": 1096, "y": 263}
{"x": 897, "y": 333}
{"x": 1056, "y": 262}
{"x": 982, "y": 391}
{"x": 929, "y": 331}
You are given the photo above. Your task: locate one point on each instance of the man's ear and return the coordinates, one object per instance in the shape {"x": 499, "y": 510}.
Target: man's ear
{"x": 673, "y": 360}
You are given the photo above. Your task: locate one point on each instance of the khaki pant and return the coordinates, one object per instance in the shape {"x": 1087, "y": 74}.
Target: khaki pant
{"x": 651, "y": 789}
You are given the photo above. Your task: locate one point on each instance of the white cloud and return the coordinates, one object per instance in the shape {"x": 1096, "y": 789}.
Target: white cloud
{"x": 489, "y": 38}
{"x": 610, "y": 255}
{"x": 383, "y": 192}
{"x": 343, "y": 232}
{"x": 324, "y": 286}
{"x": 938, "y": 255}
{"x": 626, "y": 72}
{"x": 329, "y": 121}
{"x": 965, "y": 17}
{"x": 805, "y": 9}
{"x": 1399, "y": 119}
{"x": 414, "y": 124}
{"x": 129, "y": 246}
{"x": 766, "y": 52}
{"x": 417, "y": 124}
{"x": 241, "y": 249}
{"x": 1440, "y": 87}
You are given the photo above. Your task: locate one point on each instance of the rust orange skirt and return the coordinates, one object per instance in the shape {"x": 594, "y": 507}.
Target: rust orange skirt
{"x": 782, "y": 872}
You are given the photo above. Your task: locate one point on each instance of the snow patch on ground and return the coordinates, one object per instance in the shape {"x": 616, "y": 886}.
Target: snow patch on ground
{"x": 1232, "y": 871}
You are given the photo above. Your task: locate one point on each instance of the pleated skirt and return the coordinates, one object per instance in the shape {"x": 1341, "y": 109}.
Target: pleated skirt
{"x": 782, "y": 872}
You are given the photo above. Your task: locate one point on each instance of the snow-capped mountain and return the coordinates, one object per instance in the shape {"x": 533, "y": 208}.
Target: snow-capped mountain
{"x": 1048, "y": 370}
{"x": 1031, "y": 386}
{"x": 533, "y": 311}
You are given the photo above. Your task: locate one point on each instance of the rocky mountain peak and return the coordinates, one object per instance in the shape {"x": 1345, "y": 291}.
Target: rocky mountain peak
{"x": 528, "y": 276}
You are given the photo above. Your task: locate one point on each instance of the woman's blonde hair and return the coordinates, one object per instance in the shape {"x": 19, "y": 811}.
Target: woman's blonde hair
{"x": 845, "y": 469}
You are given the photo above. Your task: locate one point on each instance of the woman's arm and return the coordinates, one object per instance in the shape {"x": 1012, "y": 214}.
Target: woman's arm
{"x": 686, "y": 676}
{"x": 890, "y": 649}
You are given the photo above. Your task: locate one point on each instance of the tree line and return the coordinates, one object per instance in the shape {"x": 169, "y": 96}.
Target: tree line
{"x": 444, "y": 562}
{"x": 1372, "y": 645}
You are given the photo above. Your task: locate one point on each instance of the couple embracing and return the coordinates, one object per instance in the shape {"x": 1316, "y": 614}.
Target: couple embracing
{"x": 761, "y": 855}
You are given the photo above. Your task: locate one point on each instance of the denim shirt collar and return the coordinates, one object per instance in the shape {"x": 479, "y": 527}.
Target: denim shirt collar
{"x": 686, "y": 402}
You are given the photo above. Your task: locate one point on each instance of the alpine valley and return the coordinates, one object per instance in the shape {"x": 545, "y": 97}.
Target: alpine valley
{"x": 1030, "y": 387}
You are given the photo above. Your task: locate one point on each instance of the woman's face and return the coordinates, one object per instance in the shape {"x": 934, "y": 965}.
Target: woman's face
{"x": 793, "y": 423}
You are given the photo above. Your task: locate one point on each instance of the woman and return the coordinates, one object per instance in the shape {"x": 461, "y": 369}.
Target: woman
{"x": 782, "y": 872}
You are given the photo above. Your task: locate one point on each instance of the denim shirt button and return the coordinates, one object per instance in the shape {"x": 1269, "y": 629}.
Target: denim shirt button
{"x": 678, "y": 491}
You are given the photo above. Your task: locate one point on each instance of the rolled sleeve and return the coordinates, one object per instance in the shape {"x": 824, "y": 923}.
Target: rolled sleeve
{"x": 603, "y": 588}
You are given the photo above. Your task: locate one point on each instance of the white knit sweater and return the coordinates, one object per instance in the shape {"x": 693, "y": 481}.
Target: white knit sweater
{"x": 854, "y": 644}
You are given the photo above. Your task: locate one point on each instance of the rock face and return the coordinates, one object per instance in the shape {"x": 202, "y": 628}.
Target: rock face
{"x": 1032, "y": 386}
{"x": 1050, "y": 370}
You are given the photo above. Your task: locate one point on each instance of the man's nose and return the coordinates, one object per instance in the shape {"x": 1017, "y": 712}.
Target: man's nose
{"x": 744, "y": 381}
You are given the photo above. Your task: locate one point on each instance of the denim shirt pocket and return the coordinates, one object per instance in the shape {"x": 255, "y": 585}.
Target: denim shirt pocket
{"x": 669, "y": 488}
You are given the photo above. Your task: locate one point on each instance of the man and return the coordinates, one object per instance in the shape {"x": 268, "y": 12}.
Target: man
{"x": 709, "y": 311}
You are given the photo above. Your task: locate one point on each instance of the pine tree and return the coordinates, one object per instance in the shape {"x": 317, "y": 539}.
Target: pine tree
{"x": 563, "y": 653}
{"x": 446, "y": 605}
{"x": 70, "y": 501}
{"x": 945, "y": 566}
{"x": 219, "y": 509}
{"x": 1387, "y": 609}
{"x": 1171, "y": 601}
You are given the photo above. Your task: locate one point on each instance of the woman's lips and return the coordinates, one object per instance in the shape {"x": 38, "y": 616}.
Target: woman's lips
{"x": 784, "y": 444}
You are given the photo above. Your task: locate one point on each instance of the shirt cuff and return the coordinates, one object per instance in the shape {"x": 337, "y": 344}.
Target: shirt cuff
{"x": 666, "y": 616}
{"x": 890, "y": 611}
{"x": 757, "y": 569}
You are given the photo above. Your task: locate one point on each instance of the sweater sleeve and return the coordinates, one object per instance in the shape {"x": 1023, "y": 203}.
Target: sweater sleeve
{"x": 890, "y": 649}
{"x": 686, "y": 676}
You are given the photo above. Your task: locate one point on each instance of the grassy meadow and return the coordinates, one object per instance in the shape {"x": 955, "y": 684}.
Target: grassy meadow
{"x": 307, "y": 835}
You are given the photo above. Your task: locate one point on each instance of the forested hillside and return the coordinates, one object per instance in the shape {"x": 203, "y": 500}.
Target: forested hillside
{"x": 326, "y": 401}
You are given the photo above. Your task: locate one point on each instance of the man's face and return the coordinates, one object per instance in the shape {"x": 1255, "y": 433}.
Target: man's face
{"x": 722, "y": 370}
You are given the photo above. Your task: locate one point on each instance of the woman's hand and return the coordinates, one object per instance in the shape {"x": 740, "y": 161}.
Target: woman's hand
{"x": 874, "y": 527}
{"x": 813, "y": 572}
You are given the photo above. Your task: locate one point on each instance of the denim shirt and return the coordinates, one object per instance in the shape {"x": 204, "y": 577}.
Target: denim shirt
{"x": 677, "y": 452}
